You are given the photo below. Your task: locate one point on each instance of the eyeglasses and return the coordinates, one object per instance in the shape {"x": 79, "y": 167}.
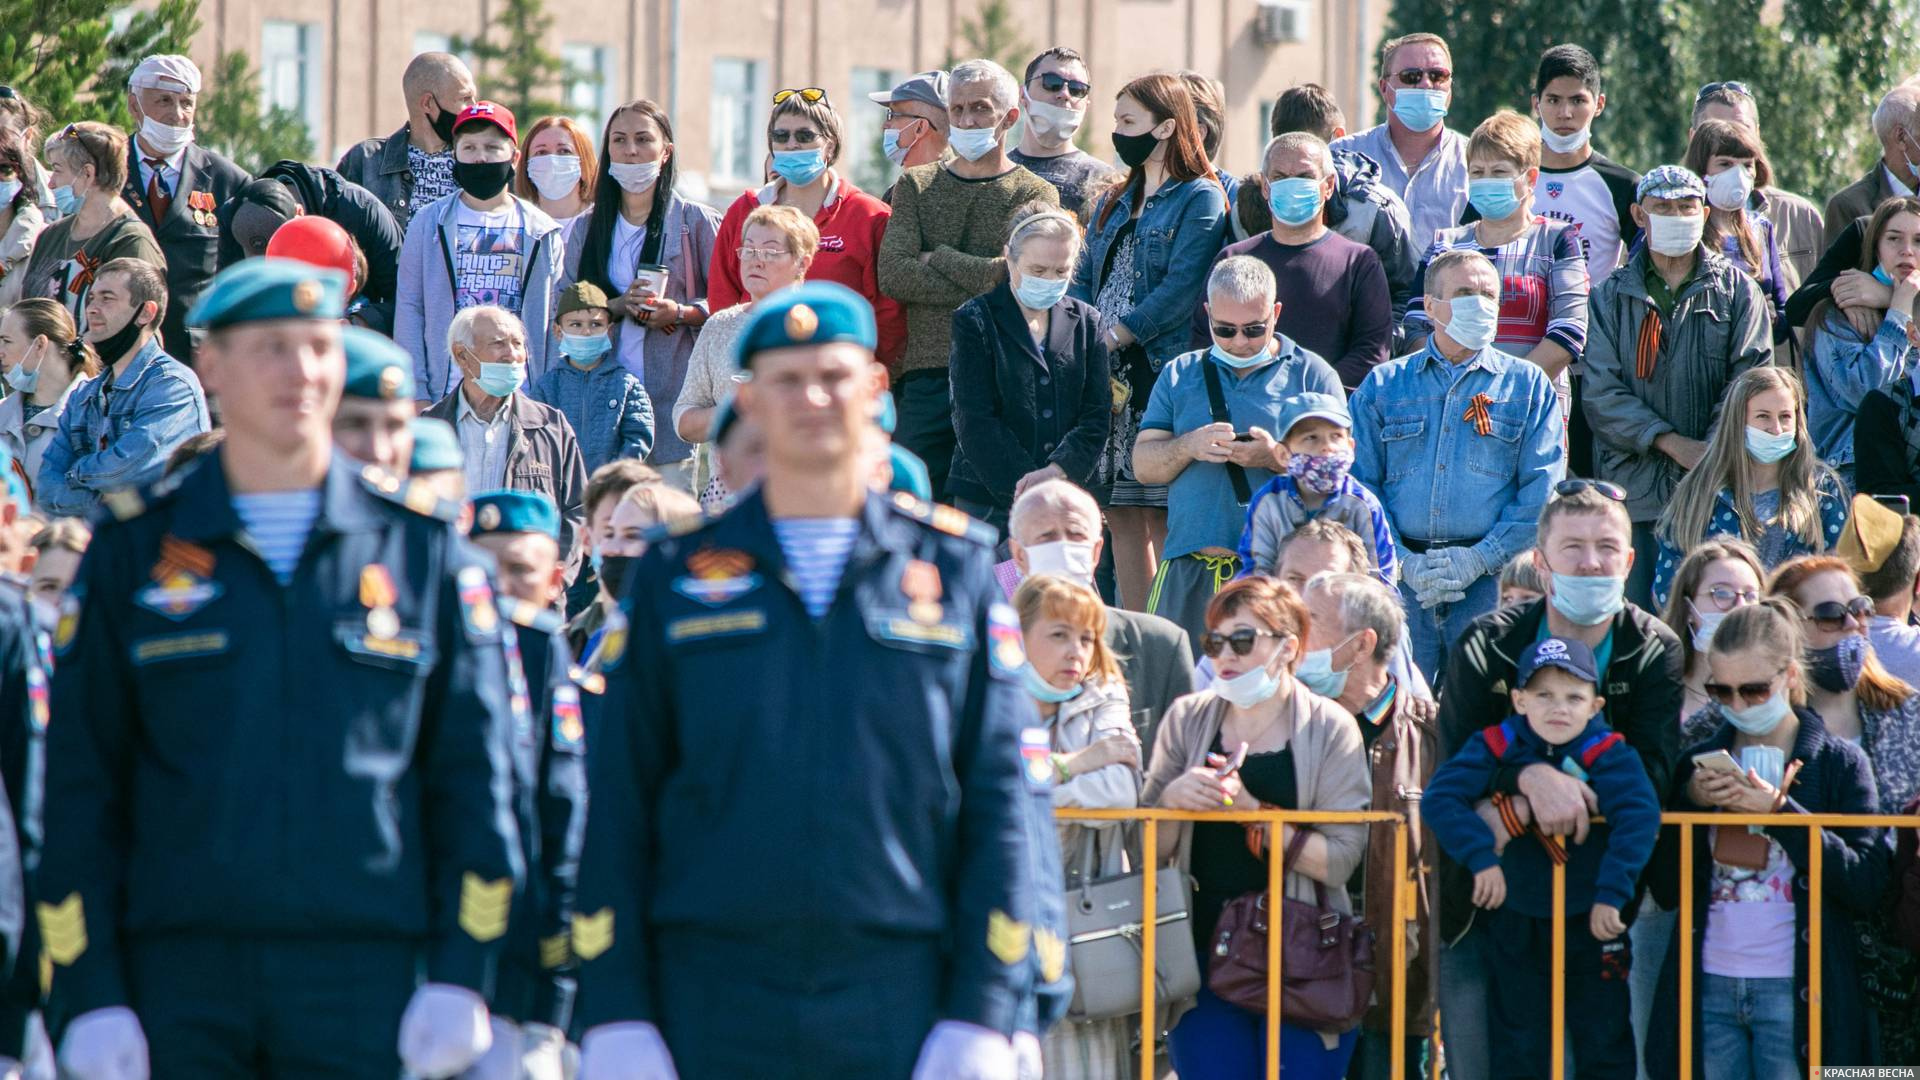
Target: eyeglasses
{"x": 753, "y": 254}
{"x": 802, "y": 137}
{"x": 1605, "y": 488}
{"x": 1726, "y": 597}
{"x": 1251, "y": 331}
{"x": 1731, "y": 86}
{"x": 1242, "y": 641}
{"x": 809, "y": 94}
{"x": 1053, "y": 84}
{"x": 1752, "y": 693}
{"x": 1412, "y": 76}
{"x": 894, "y": 115}
{"x": 1832, "y": 615}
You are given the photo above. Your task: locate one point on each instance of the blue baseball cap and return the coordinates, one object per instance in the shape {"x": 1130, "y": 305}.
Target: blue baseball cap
{"x": 814, "y": 313}
{"x": 268, "y": 290}
{"x": 515, "y": 512}
{"x": 376, "y": 367}
{"x": 1310, "y": 406}
{"x": 1572, "y": 657}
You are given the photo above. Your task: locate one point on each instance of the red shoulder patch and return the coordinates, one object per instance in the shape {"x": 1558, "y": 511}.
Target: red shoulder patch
{"x": 1591, "y": 753}
{"x": 1498, "y": 739}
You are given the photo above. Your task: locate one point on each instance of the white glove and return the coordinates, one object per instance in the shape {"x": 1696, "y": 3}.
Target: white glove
{"x": 1027, "y": 1057}
{"x": 502, "y": 1059}
{"x": 9, "y": 1069}
{"x": 543, "y": 1052}
{"x": 632, "y": 1050}
{"x": 39, "y": 1064}
{"x": 105, "y": 1044}
{"x": 443, "y": 1031}
{"x": 956, "y": 1050}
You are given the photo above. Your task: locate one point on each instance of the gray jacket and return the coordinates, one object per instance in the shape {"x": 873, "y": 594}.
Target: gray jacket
{"x": 542, "y": 456}
{"x": 1155, "y": 659}
{"x": 1719, "y": 327}
{"x": 380, "y": 166}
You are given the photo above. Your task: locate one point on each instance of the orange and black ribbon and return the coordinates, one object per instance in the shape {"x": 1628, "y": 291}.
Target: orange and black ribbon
{"x": 1648, "y": 350}
{"x": 178, "y": 555}
{"x": 87, "y": 264}
{"x": 1478, "y": 416}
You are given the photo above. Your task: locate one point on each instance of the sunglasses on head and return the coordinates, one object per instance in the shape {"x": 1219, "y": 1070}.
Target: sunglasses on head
{"x": 1605, "y": 488}
{"x": 1752, "y": 693}
{"x": 1731, "y": 86}
{"x": 1242, "y": 641}
{"x": 1726, "y": 597}
{"x": 1833, "y": 615}
{"x": 1053, "y": 84}
{"x": 810, "y": 95}
{"x": 1412, "y": 76}
{"x": 1251, "y": 331}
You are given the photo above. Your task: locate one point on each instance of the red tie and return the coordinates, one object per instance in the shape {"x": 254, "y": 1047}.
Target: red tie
{"x": 158, "y": 196}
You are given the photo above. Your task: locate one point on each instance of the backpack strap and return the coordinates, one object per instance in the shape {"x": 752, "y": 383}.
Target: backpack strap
{"x": 1217, "y": 404}
{"x": 1499, "y": 738}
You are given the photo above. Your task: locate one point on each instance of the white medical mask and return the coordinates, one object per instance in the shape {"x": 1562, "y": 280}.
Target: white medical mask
{"x": 1759, "y": 719}
{"x": 1588, "y": 601}
{"x": 9, "y": 191}
{"x": 1070, "y": 559}
{"x": 1709, "y": 622}
{"x": 974, "y": 143}
{"x": 1473, "y": 321}
{"x": 1729, "y": 189}
{"x": 635, "y": 176}
{"x": 165, "y": 139}
{"x": 1249, "y": 688}
{"x": 555, "y": 176}
{"x": 1053, "y": 121}
{"x": 1565, "y": 144}
{"x": 1042, "y": 690}
{"x": 1674, "y": 234}
{"x": 890, "y": 146}
{"x": 1316, "y": 671}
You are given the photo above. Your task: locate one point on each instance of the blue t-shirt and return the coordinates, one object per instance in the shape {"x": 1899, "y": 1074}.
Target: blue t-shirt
{"x": 1202, "y": 511}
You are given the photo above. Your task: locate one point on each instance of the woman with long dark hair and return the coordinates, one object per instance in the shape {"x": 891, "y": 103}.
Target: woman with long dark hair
{"x": 1153, "y": 237}
{"x": 648, "y": 250}
{"x": 21, "y": 220}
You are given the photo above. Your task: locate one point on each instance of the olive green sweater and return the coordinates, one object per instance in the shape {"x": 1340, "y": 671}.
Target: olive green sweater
{"x": 964, "y": 223}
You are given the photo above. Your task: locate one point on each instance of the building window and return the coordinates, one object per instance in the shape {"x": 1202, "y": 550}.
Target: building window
{"x": 1263, "y": 136}
{"x": 861, "y": 120}
{"x": 736, "y": 121}
{"x": 589, "y": 74}
{"x": 432, "y": 41}
{"x": 290, "y": 70}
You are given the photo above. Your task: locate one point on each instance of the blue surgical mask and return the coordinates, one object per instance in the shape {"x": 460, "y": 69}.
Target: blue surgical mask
{"x": 1295, "y": 200}
{"x": 1242, "y": 363}
{"x": 1767, "y": 448}
{"x": 593, "y": 560}
{"x": 1759, "y": 719}
{"x": 1249, "y": 688}
{"x": 23, "y": 380}
{"x": 585, "y": 349}
{"x": 1042, "y": 690}
{"x": 1494, "y": 197}
{"x": 800, "y": 167}
{"x": 500, "y": 380}
{"x": 1316, "y": 672}
{"x": 65, "y": 201}
{"x": 1039, "y": 294}
{"x": 1588, "y": 601}
{"x": 1880, "y": 275}
{"x": 1420, "y": 109}
{"x": 890, "y": 146}
{"x": 1473, "y": 321}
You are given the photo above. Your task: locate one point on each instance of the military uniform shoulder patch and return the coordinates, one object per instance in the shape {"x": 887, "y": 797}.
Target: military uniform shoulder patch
{"x": 1036, "y": 758}
{"x": 569, "y": 731}
{"x": 476, "y": 602}
{"x": 945, "y": 519}
{"x": 531, "y": 616}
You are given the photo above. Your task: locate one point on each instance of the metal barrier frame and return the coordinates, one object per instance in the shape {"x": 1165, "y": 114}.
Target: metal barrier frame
{"x": 1404, "y": 910}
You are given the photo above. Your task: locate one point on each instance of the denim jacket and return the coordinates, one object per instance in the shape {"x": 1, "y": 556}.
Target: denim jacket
{"x": 612, "y": 416}
{"x": 117, "y": 431}
{"x": 1182, "y": 227}
{"x": 1845, "y": 369}
{"x": 1437, "y": 474}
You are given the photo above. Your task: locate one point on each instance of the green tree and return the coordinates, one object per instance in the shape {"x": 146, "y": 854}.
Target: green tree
{"x": 1816, "y": 68}
{"x": 992, "y": 33}
{"x": 519, "y": 70}
{"x": 233, "y": 120}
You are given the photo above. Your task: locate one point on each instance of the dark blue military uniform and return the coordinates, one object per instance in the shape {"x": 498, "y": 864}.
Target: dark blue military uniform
{"x": 810, "y": 839}
{"x": 271, "y": 807}
{"x": 23, "y": 728}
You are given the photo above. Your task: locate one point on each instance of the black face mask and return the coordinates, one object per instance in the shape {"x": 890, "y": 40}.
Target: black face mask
{"x": 614, "y": 570}
{"x": 1134, "y": 150}
{"x": 482, "y": 179}
{"x": 443, "y": 123}
{"x": 114, "y": 348}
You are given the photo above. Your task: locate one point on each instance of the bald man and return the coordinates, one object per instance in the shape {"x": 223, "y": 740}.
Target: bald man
{"x": 414, "y": 166}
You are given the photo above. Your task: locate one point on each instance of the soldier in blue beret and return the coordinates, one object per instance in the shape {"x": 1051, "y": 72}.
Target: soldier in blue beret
{"x": 533, "y": 1002}
{"x": 805, "y": 626}
{"x": 374, "y": 423}
{"x": 273, "y": 662}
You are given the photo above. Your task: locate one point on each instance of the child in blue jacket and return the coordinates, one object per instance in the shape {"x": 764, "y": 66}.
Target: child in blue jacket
{"x": 1557, "y": 722}
{"x": 606, "y": 404}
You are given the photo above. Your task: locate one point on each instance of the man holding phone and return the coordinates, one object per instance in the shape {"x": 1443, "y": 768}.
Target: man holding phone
{"x": 1208, "y": 434}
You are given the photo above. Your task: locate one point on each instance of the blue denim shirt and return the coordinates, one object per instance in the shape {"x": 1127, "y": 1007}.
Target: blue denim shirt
{"x": 118, "y": 432}
{"x": 1181, "y": 229}
{"x": 1439, "y": 478}
{"x": 612, "y": 416}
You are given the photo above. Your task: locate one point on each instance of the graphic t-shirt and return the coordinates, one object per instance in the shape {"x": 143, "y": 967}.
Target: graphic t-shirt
{"x": 490, "y": 256}
{"x": 1750, "y": 920}
{"x": 1593, "y": 198}
{"x": 432, "y": 177}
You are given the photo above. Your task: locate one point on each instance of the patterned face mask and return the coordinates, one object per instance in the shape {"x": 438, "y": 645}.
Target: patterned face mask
{"x": 1320, "y": 473}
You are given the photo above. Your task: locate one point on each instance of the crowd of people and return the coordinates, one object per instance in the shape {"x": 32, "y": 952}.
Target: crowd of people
{"x": 360, "y": 522}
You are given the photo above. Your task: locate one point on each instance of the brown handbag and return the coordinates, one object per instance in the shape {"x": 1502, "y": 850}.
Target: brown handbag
{"x": 1326, "y": 958}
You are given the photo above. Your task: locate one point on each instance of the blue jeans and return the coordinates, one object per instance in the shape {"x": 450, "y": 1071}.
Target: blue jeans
{"x": 1747, "y": 1029}
{"x": 1652, "y": 930}
{"x": 1434, "y": 630}
{"x": 1463, "y": 1006}
{"x": 1218, "y": 1041}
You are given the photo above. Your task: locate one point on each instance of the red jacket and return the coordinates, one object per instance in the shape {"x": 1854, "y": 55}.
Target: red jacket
{"x": 851, "y": 224}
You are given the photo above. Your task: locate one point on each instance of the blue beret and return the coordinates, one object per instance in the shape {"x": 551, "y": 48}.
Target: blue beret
{"x": 910, "y": 473}
{"x": 885, "y": 414}
{"x": 269, "y": 289}
{"x": 435, "y": 446}
{"x": 814, "y": 313}
{"x": 515, "y": 512}
{"x": 376, "y": 367}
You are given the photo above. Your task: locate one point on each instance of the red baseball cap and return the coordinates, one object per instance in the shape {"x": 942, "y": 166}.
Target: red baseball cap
{"x": 487, "y": 112}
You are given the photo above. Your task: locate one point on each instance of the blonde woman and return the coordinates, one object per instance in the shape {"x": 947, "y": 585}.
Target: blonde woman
{"x": 1082, "y": 699}
{"x": 1761, "y": 481}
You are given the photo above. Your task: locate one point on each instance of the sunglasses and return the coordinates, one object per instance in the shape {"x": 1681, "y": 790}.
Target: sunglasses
{"x": 1752, "y": 693}
{"x": 1726, "y": 597}
{"x": 1731, "y": 86}
{"x": 810, "y": 95}
{"x": 1053, "y": 84}
{"x": 1605, "y": 488}
{"x": 802, "y": 137}
{"x": 1832, "y": 615}
{"x": 1242, "y": 641}
{"x": 1412, "y": 76}
{"x": 1251, "y": 331}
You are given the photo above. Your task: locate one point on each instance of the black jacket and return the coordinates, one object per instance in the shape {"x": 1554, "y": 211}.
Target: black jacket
{"x": 1018, "y": 407}
{"x": 1643, "y": 685}
{"x": 380, "y": 166}
{"x": 328, "y": 194}
{"x": 189, "y": 234}
{"x": 1886, "y": 442}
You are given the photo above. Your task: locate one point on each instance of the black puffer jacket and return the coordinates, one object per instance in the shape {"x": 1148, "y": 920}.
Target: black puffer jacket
{"x": 347, "y": 204}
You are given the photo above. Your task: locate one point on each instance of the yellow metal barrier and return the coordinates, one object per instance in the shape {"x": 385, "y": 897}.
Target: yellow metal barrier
{"x": 1404, "y": 905}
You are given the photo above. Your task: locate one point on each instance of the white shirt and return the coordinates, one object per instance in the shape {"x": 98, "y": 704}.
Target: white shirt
{"x": 1897, "y": 644}
{"x": 169, "y": 167}
{"x": 1893, "y": 183}
{"x": 483, "y": 445}
{"x": 628, "y": 240}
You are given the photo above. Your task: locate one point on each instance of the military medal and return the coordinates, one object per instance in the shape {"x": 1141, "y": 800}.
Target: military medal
{"x": 377, "y": 595}
{"x": 920, "y": 584}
